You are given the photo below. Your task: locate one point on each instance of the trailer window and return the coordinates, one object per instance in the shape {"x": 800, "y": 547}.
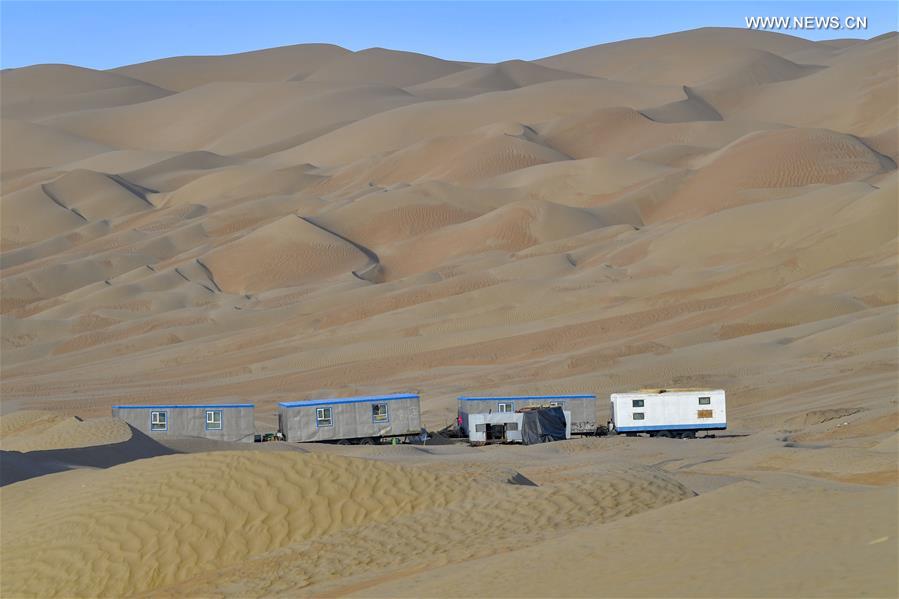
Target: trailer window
{"x": 323, "y": 417}
{"x": 505, "y": 407}
{"x": 379, "y": 412}
{"x": 555, "y": 404}
{"x": 213, "y": 420}
{"x": 705, "y": 401}
{"x": 159, "y": 421}
{"x": 638, "y": 416}
{"x": 637, "y": 403}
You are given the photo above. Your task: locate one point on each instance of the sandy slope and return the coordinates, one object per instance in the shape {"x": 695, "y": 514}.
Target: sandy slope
{"x": 692, "y": 547}
{"x": 712, "y": 207}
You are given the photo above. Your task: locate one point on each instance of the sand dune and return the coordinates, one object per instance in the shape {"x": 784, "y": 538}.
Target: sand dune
{"x": 782, "y": 158}
{"x": 229, "y": 501}
{"x": 683, "y": 58}
{"x": 64, "y": 433}
{"x": 281, "y": 254}
{"x": 511, "y": 74}
{"x": 646, "y": 553}
{"x": 455, "y": 159}
{"x": 276, "y": 64}
{"x": 713, "y": 207}
{"x": 386, "y": 67}
{"x": 29, "y": 146}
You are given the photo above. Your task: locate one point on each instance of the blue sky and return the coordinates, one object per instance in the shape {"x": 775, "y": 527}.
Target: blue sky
{"x": 109, "y": 34}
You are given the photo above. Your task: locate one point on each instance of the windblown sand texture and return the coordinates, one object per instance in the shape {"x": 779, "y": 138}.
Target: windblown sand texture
{"x": 715, "y": 207}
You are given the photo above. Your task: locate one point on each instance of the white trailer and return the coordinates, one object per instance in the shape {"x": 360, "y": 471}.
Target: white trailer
{"x": 668, "y": 412}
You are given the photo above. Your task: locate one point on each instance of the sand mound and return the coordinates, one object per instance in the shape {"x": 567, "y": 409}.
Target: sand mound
{"x": 98, "y": 196}
{"x": 855, "y": 94}
{"x": 275, "y": 64}
{"x": 694, "y": 108}
{"x": 285, "y": 253}
{"x": 31, "y": 216}
{"x": 42, "y": 81}
{"x": 407, "y": 125}
{"x": 683, "y": 58}
{"x": 511, "y": 74}
{"x": 583, "y": 182}
{"x": 386, "y": 67}
{"x": 387, "y": 216}
{"x": 30, "y": 145}
{"x": 793, "y": 158}
{"x": 28, "y": 422}
{"x": 510, "y": 228}
{"x": 643, "y": 554}
{"x": 63, "y": 433}
{"x": 456, "y": 159}
{"x": 781, "y": 158}
{"x": 242, "y": 182}
{"x": 222, "y": 508}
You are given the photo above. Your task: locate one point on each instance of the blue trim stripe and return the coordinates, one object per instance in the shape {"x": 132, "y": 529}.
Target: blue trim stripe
{"x": 184, "y": 406}
{"x": 525, "y": 397}
{"x": 671, "y": 427}
{"x": 338, "y": 400}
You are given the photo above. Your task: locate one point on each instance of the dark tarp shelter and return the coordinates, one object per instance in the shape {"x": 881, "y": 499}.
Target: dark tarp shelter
{"x": 542, "y": 425}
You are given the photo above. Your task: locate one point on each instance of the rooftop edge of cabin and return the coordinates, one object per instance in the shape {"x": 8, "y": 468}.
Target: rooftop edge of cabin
{"x": 339, "y": 400}
{"x": 670, "y": 390}
{"x": 183, "y": 406}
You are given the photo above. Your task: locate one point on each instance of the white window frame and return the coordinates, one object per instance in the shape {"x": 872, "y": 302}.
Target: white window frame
{"x": 377, "y": 417}
{"x": 639, "y": 416}
{"x": 212, "y": 425}
{"x": 505, "y": 407}
{"x": 155, "y": 421}
{"x": 707, "y": 402}
{"x": 320, "y": 418}
{"x": 638, "y": 403}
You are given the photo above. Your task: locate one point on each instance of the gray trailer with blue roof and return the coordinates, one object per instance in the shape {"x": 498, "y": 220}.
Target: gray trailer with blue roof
{"x": 222, "y": 422}
{"x": 362, "y": 419}
{"x": 581, "y": 407}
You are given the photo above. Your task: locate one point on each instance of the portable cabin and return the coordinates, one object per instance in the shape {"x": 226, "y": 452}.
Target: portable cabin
{"x": 528, "y": 426}
{"x": 582, "y": 408}
{"x": 222, "y": 422}
{"x": 351, "y": 419}
{"x": 669, "y": 412}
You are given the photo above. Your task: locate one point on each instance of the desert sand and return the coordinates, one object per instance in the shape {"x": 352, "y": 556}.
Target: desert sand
{"x": 715, "y": 207}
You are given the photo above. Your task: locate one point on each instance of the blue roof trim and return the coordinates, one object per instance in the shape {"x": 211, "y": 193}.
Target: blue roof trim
{"x": 514, "y": 397}
{"x": 187, "y": 406}
{"x": 338, "y": 400}
{"x": 671, "y": 427}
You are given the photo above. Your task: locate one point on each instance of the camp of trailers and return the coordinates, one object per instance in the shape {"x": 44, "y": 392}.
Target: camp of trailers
{"x": 668, "y": 412}
{"x": 369, "y": 419}
{"x": 361, "y": 420}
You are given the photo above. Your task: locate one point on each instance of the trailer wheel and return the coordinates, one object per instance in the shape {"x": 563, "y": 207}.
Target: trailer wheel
{"x": 344, "y": 442}
{"x": 367, "y": 441}
{"x": 665, "y": 434}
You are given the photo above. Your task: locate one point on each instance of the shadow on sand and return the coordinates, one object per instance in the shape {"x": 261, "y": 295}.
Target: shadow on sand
{"x": 16, "y": 466}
